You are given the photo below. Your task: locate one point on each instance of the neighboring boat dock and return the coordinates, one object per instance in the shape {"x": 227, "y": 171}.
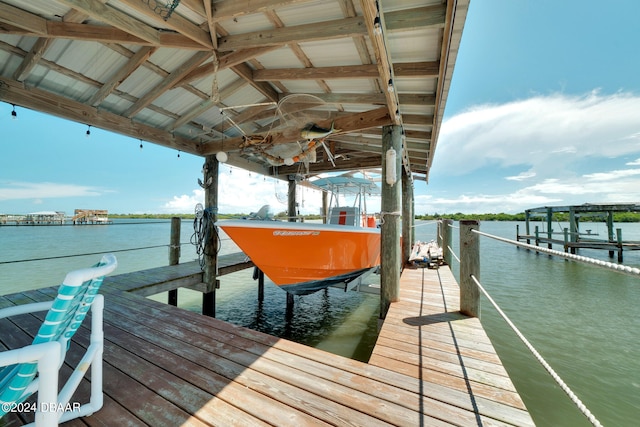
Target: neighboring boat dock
{"x": 571, "y": 238}
{"x": 81, "y": 216}
{"x": 166, "y": 366}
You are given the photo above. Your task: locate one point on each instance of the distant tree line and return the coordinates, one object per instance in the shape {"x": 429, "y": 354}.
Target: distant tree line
{"x": 562, "y": 217}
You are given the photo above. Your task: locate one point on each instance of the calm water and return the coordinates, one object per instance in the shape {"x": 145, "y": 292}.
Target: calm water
{"x": 582, "y": 319}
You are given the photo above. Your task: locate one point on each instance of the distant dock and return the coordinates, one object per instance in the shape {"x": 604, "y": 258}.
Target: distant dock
{"x": 571, "y": 238}
{"x": 80, "y": 217}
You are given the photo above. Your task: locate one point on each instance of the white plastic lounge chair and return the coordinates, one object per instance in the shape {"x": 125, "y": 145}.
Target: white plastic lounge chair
{"x": 18, "y": 368}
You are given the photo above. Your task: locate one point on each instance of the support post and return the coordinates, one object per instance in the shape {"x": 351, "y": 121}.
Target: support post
{"x": 526, "y": 225}
{"x": 566, "y": 240}
{"x": 210, "y": 169}
{"x": 573, "y": 229}
{"x": 325, "y": 207}
{"x": 174, "y": 255}
{"x": 619, "y": 237}
{"x": 469, "y": 266}
{"x": 446, "y": 240}
{"x": 549, "y": 228}
{"x": 407, "y": 216}
{"x": 390, "y": 207}
{"x": 291, "y": 198}
{"x": 260, "y": 285}
{"x": 610, "y": 235}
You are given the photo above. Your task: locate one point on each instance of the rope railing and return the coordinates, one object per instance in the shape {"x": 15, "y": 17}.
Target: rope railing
{"x": 579, "y": 404}
{"x": 600, "y": 263}
{"x": 88, "y": 253}
{"x": 453, "y": 254}
{"x": 594, "y": 421}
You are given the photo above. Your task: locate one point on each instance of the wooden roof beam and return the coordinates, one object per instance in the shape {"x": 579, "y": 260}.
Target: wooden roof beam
{"x": 167, "y": 83}
{"x": 176, "y": 22}
{"x": 413, "y": 69}
{"x": 115, "y": 18}
{"x": 355, "y": 163}
{"x": 348, "y": 123}
{"x": 374, "y": 20}
{"x": 227, "y": 9}
{"x": 421, "y": 17}
{"x": 226, "y": 61}
{"x": 15, "y": 92}
{"x": 105, "y": 34}
{"x": 207, "y": 105}
{"x": 244, "y": 71}
{"x": 347, "y": 27}
{"x": 121, "y": 75}
{"x": 17, "y": 17}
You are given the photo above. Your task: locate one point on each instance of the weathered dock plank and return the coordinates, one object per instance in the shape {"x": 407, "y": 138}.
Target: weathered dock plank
{"x": 424, "y": 336}
{"x": 168, "y": 366}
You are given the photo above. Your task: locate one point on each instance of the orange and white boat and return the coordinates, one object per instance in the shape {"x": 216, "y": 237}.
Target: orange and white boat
{"x": 302, "y": 258}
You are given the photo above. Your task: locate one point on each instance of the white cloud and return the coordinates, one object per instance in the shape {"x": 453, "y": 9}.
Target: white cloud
{"x": 521, "y": 176}
{"x": 544, "y": 132}
{"x": 243, "y": 192}
{"x": 634, "y": 163}
{"x": 44, "y": 190}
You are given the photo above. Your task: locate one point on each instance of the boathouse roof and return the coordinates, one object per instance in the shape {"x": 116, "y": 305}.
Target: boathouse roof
{"x": 241, "y": 77}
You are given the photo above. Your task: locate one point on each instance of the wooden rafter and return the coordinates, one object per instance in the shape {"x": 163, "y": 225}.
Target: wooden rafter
{"x": 415, "y": 69}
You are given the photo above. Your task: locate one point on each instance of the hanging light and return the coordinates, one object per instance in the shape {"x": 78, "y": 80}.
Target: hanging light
{"x": 390, "y": 86}
{"x": 222, "y": 157}
{"x": 178, "y": 153}
{"x": 140, "y": 144}
{"x": 88, "y": 133}
{"x": 14, "y": 115}
{"x": 377, "y": 26}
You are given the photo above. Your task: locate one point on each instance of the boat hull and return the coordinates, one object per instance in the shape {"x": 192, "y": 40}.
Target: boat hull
{"x": 302, "y": 257}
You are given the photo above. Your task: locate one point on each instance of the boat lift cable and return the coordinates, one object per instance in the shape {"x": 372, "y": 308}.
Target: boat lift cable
{"x": 594, "y": 421}
{"x": 609, "y": 265}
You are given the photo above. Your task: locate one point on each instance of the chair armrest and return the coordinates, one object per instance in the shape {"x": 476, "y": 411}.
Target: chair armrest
{"x": 31, "y": 353}
{"x": 25, "y": 308}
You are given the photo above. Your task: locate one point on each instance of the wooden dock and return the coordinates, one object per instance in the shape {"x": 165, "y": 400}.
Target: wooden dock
{"x": 168, "y": 366}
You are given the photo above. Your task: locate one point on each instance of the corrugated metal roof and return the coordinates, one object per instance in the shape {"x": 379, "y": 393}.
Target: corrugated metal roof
{"x": 120, "y": 65}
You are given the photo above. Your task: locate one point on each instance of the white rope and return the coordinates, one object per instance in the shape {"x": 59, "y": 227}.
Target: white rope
{"x": 453, "y": 254}
{"x": 425, "y": 223}
{"x": 610, "y": 265}
{"x": 537, "y": 355}
{"x": 383, "y": 214}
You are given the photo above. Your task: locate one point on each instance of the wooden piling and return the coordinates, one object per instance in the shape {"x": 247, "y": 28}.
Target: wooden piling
{"x": 390, "y": 229}
{"x": 446, "y": 240}
{"x": 407, "y": 216}
{"x": 325, "y": 207}
{"x": 174, "y": 255}
{"x": 211, "y": 169}
{"x": 469, "y": 266}
{"x": 260, "y": 285}
{"x": 291, "y": 199}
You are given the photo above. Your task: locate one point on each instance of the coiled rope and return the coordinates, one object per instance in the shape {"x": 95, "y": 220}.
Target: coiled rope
{"x": 540, "y": 359}
{"x": 203, "y": 230}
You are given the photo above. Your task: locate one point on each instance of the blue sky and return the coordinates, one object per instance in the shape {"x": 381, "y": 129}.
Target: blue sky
{"x": 544, "y": 109}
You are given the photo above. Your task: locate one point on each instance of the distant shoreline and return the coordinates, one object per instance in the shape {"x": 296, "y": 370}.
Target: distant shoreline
{"x": 617, "y": 217}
